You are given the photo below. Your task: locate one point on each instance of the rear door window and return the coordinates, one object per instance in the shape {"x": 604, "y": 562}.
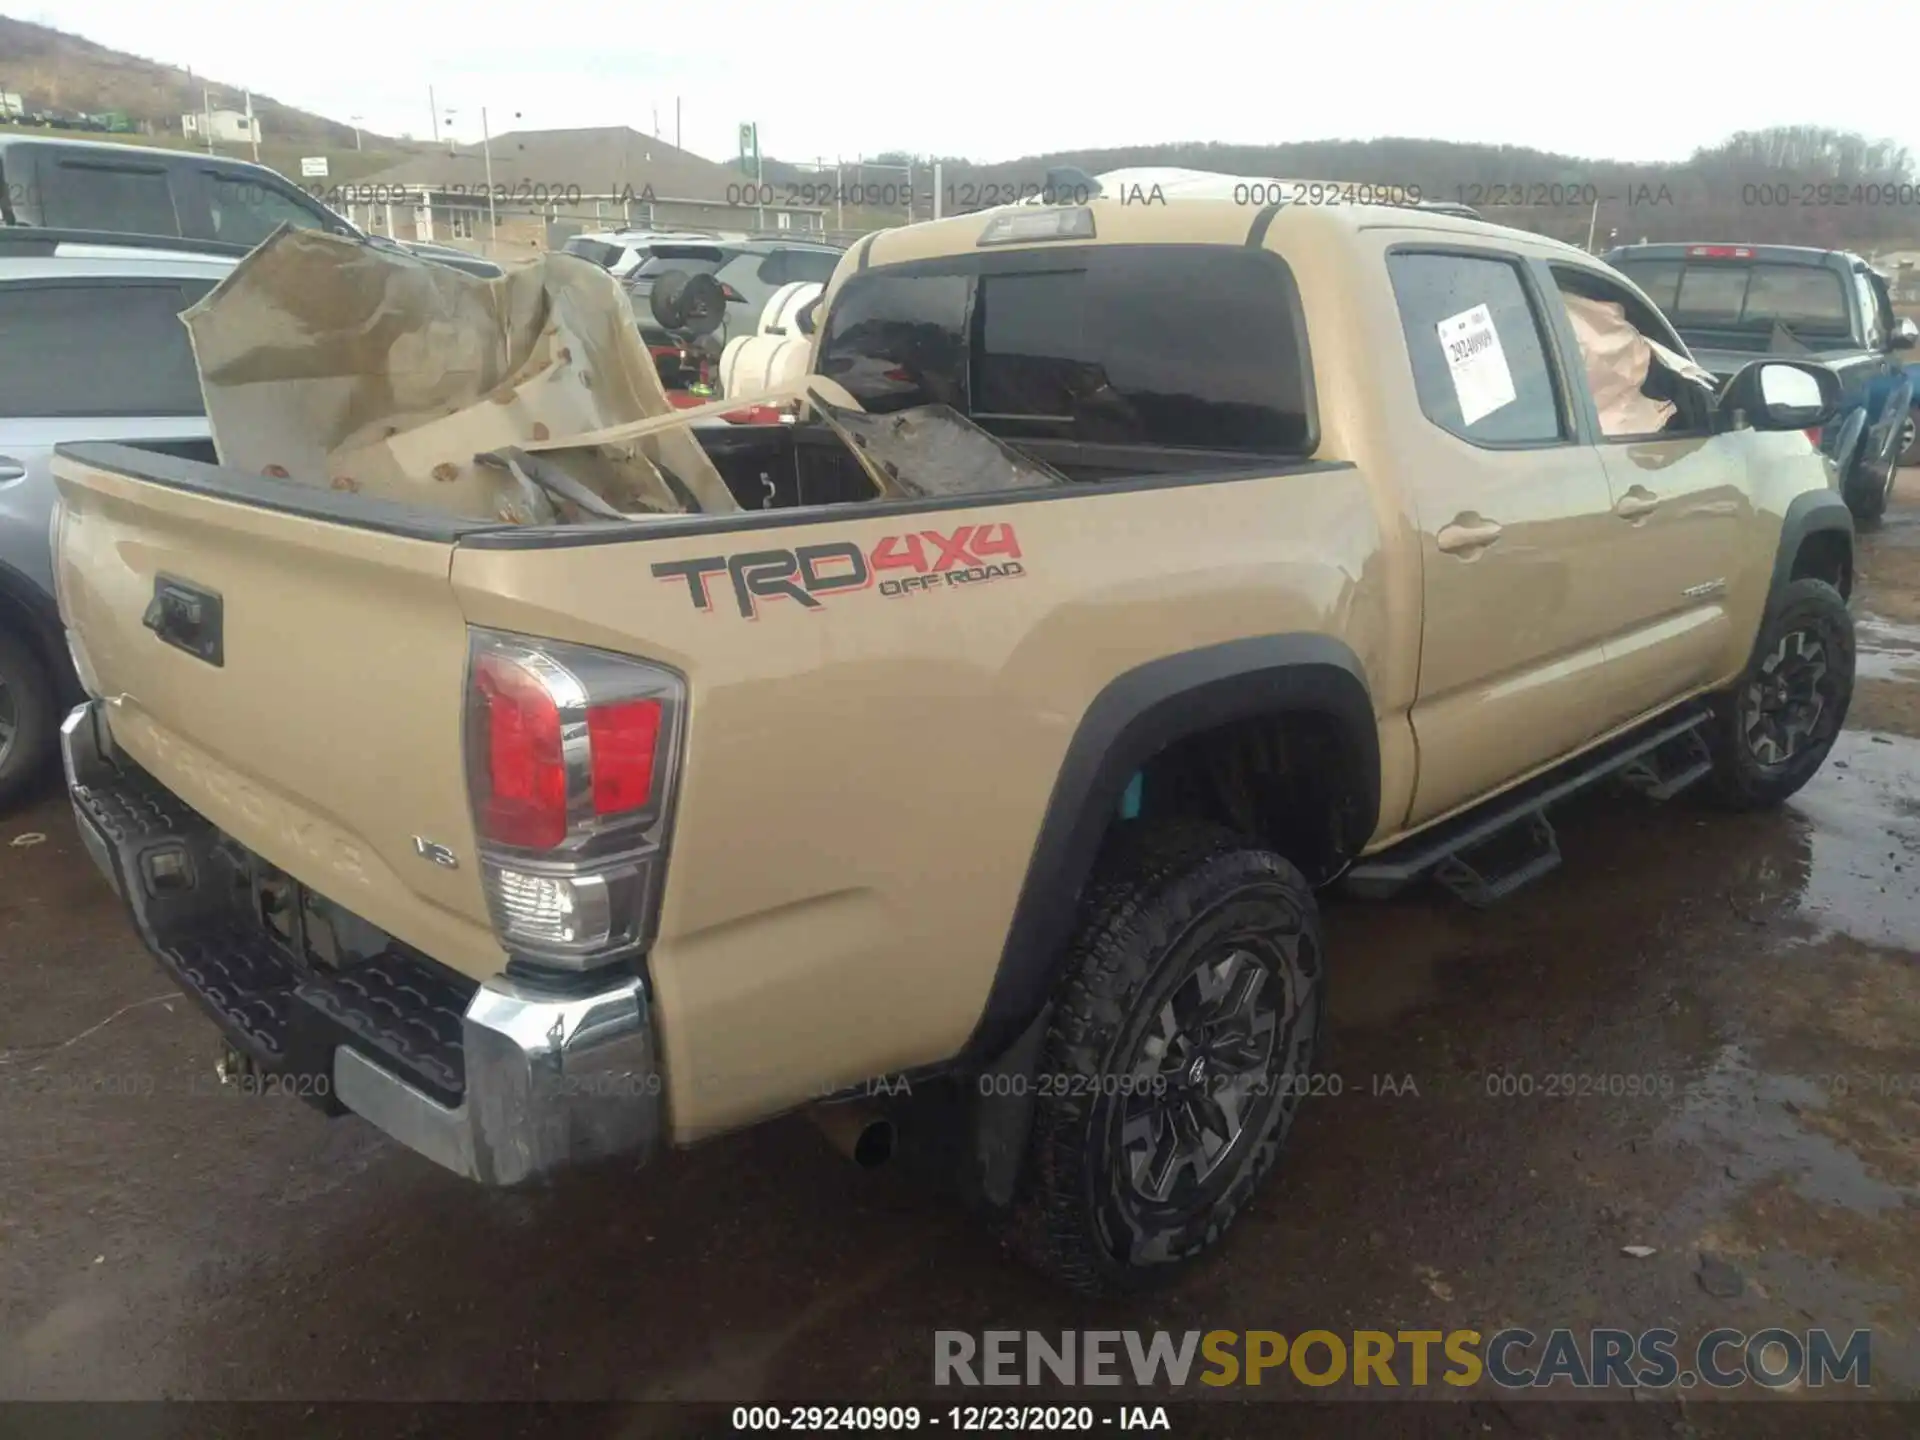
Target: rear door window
{"x": 1183, "y": 347}
{"x": 1477, "y": 347}
{"x": 91, "y": 349}
{"x": 129, "y": 198}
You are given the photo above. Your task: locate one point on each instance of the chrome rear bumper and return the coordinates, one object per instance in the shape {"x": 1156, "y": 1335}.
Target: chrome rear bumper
{"x": 504, "y": 1083}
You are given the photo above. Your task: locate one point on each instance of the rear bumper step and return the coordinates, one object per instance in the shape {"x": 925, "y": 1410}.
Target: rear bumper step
{"x": 502, "y": 1082}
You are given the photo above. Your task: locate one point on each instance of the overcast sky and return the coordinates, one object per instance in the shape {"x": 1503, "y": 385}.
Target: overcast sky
{"x": 994, "y": 79}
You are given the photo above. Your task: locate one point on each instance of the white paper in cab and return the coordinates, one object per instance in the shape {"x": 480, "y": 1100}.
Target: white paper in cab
{"x": 1481, "y": 380}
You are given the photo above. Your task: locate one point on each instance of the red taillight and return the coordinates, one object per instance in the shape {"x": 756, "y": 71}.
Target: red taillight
{"x": 623, "y": 739}
{"x": 1814, "y": 436}
{"x": 525, "y": 801}
{"x": 1722, "y": 252}
{"x": 572, "y": 757}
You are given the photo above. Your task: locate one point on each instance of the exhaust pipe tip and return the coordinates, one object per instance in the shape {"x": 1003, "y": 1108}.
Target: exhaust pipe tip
{"x": 857, "y": 1131}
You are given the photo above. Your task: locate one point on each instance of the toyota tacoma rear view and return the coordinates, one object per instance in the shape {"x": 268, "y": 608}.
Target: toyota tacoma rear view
{"x": 973, "y": 755}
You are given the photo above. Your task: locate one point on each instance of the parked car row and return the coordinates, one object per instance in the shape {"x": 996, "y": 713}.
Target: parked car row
{"x": 77, "y": 185}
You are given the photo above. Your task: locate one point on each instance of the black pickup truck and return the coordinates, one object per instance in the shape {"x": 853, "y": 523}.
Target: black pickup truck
{"x": 1733, "y": 304}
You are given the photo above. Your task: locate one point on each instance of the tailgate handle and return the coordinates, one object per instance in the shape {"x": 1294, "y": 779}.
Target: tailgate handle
{"x": 187, "y": 618}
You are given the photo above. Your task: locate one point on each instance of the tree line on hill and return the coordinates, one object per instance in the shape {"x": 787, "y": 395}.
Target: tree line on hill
{"x": 1788, "y": 185}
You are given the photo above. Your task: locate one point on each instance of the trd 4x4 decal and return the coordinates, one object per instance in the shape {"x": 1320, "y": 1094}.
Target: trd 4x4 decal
{"x": 971, "y": 555}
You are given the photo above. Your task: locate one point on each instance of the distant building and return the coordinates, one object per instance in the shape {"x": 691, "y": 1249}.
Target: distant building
{"x": 228, "y": 127}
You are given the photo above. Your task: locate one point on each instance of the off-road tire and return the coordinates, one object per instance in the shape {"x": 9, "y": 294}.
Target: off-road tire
{"x": 29, "y": 697}
{"x": 1166, "y": 896}
{"x": 1741, "y": 778}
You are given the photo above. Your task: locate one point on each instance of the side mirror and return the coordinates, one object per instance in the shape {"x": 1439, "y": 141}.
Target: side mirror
{"x": 1781, "y": 395}
{"x": 1905, "y": 335}
{"x": 808, "y": 320}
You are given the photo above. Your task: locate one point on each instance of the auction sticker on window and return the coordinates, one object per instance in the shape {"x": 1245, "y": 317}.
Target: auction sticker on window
{"x": 1481, "y": 381}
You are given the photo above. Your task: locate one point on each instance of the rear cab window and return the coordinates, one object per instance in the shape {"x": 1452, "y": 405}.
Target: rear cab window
{"x": 94, "y": 348}
{"x": 1478, "y": 348}
{"x": 1190, "y": 347}
{"x": 1744, "y": 295}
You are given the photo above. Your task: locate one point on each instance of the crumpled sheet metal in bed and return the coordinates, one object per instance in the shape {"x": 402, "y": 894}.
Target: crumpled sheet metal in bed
{"x": 325, "y": 361}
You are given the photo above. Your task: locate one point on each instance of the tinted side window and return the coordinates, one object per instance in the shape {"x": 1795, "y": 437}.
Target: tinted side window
{"x": 1502, "y": 392}
{"x": 81, "y": 350}
{"x": 245, "y": 212}
{"x": 815, "y": 267}
{"x": 131, "y": 199}
{"x": 598, "y": 251}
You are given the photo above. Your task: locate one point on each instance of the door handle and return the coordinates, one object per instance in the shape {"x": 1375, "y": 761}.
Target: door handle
{"x": 1637, "y": 504}
{"x": 1467, "y": 535}
{"x": 11, "y": 470}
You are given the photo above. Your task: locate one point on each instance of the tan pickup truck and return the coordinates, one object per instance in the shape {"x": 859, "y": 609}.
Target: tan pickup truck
{"x": 1335, "y": 545}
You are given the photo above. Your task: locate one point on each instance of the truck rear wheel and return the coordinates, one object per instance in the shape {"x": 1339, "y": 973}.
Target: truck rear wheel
{"x": 1185, "y": 1029}
{"x": 28, "y": 716}
{"x": 1772, "y": 730}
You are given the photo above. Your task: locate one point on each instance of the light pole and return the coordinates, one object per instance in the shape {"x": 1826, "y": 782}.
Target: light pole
{"x": 486, "y": 144}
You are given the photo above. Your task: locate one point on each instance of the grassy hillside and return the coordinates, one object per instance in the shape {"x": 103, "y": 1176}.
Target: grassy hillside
{"x": 52, "y": 70}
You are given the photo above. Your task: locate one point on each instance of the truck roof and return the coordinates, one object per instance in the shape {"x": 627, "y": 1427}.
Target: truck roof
{"x": 1181, "y": 221}
{"x": 1769, "y": 254}
{"x": 10, "y": 141}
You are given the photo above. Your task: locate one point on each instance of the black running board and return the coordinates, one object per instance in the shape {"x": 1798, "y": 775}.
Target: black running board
{"x": 1488, "y": 853}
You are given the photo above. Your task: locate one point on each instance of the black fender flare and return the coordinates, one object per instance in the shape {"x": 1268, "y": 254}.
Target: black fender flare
{"x": 1134, "y": 717}
{"x": 1811, "y": 513}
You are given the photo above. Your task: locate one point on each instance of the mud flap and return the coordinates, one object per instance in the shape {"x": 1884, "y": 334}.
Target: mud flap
{"x": 1001, "y": 1117}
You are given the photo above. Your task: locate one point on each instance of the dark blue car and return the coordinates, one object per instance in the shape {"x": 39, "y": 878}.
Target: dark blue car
{"x": 1733, "y": 304}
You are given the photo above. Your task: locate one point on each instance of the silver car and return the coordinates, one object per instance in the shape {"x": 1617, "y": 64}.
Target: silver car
{"x": 94, "y": 350}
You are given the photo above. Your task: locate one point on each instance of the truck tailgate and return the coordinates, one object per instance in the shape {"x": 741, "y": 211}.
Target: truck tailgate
{"x": 314, "y": 714}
